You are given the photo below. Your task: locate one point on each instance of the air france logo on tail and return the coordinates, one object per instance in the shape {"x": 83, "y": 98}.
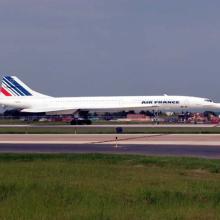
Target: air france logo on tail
{"x": 10, "y": 87}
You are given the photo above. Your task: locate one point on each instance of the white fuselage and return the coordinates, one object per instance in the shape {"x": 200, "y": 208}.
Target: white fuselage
{"x": 70, "y": 105}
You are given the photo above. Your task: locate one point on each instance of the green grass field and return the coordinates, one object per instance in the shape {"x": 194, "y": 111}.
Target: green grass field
{"x": 109, "y": 130}
{"x": 108, "y": 187}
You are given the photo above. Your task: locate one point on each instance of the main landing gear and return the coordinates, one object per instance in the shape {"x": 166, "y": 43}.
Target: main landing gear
{"x": 81, "y": 119}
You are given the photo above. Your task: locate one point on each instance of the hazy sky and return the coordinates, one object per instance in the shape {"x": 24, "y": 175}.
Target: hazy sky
{"x": 113, "y": 47}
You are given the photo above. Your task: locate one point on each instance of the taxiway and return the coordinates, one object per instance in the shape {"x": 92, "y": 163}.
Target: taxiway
{"x": 207, "y": 146}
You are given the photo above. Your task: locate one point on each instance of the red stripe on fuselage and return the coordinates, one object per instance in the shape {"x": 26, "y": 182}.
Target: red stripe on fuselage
{"x": 5, "y": 92}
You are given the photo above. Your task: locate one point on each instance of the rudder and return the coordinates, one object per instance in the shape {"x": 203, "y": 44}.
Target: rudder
{"x": 12, "y": 86}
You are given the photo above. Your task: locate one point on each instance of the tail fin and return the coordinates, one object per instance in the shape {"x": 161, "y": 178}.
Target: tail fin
{"x": 12, "y": 86}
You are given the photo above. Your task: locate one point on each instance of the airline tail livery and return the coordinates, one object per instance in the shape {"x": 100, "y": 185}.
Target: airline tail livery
{"x": 16, "y": 94}
{"x": 12, "y": 86}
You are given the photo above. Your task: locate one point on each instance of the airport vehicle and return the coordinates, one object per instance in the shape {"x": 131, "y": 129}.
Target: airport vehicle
{"x": 16, "y": 94}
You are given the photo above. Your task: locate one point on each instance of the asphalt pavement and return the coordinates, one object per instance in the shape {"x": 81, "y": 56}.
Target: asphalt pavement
{"x": 156, "y": 150}
{"x": 184, "y": 145}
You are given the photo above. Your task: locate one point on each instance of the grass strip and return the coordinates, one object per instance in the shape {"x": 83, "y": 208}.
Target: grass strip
{"x": 109, "y": 130}
{"x": 95, "y": 186}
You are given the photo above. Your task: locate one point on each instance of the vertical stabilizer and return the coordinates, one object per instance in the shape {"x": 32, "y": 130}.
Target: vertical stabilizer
{"x": 12, "y": 86}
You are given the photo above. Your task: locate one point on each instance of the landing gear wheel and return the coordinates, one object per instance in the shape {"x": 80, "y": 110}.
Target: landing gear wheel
{"x": 81, "y": 122}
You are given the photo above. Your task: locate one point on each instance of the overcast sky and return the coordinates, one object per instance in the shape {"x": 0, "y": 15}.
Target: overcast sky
{"x": 113, "y": 47}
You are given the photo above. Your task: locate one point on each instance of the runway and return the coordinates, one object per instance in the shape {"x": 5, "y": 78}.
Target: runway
{"x": 156, "y": 150}
{"x": 124, "y": 139}
{"x": 207, "y": 146}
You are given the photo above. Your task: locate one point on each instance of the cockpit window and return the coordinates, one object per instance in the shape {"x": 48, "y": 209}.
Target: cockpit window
{"x": 208, "y": 100}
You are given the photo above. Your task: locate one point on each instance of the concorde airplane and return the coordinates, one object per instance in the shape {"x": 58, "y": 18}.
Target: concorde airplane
{"x": 16, "y": 94}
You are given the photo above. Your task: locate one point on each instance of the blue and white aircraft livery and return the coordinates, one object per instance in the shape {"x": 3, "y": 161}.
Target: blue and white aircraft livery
{"x": 16, "y": 94}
